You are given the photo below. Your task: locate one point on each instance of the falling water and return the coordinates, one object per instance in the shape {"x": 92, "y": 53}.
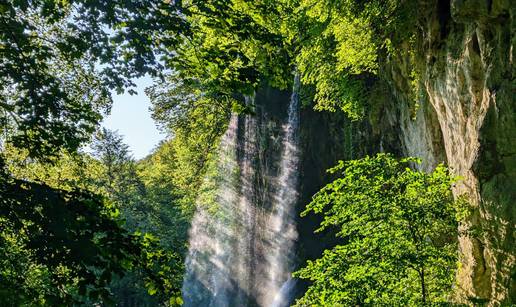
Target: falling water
{"x": 208, "y": 277}
{"x": 242, "y": 241}
{"x": 282, "y": 231}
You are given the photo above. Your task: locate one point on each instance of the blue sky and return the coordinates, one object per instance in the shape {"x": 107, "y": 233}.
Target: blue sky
{"x": 130, "y": 116}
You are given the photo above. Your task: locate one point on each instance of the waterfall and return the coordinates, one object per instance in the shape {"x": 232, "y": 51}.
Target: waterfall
{"x": 282, "y": 231}
{"x": 242, "y": 238}
{"x": 207, "y": 278}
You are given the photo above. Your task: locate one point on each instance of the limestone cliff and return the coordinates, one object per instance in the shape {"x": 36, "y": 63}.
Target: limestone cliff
{"x": 464, "y": 113}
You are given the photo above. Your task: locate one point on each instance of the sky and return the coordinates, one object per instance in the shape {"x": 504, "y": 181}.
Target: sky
{"x": 131, "y": 117}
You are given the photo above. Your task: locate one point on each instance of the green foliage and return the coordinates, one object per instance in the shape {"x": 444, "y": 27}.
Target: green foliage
{"x": 138, "y": 196}
{"x": 335, "y": 45}
{"x": 232, "y": 49}
{"x": 398, "y": 230}
{"x": 195, "y": 120}
{"x": 68, "y": 241}
{"x": 328, "y": 65}
{"x": 59, "y": 59}
{"x": 148, "y": 202}
{"x": 117, "y": 177}
{"x": 64, "y": 171}
{"x": 181, "y": 103}
{"x": 19, "y": 273}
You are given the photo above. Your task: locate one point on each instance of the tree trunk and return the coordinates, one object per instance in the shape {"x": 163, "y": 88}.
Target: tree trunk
{"x": 423, "y": 289}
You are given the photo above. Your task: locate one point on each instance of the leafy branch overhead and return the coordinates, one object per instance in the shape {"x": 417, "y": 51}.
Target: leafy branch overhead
{"x": 60, "y": 59}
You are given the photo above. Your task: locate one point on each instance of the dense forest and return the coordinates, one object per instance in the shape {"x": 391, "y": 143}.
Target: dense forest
{"x": 317, "y": 153}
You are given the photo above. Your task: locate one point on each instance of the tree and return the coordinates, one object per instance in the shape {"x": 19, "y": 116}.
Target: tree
{"x": 335, "y": 46}
{"x": 232, "y": 49}
{"x": 60, "y": 59}
{"x": 62, "y": 247}
{"x": 119, "y": 179}
{"x": 59, "y": 62}
{"x": 195, "y": 120}
{"x": 166, "y": 218}
{"x": 148, "y": 208}
{"x": 398, "y": 230}
{"x": 144, "y": 210}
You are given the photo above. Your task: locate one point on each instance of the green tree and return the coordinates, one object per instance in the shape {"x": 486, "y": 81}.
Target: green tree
{"x": 149, "y": 212}
{"x": 336, "y": 46}
{"x": 118, "y": 179}
{"x": 195, "y": 119}
{"x": 148, "y": 208}
{"x": 63, "y": 247}
{"x": 166, "y": 218}
{"x": 59, "y": 62}
{"x": 398, "y": 230}
{"x": 232, "y": 49}
{"x": 60, "y": 59}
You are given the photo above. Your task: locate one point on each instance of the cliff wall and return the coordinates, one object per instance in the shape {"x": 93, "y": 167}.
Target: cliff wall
{"x": 453, "y": 92}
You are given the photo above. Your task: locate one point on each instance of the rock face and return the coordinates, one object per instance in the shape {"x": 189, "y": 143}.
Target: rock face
{"x": 467, "y": 118}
